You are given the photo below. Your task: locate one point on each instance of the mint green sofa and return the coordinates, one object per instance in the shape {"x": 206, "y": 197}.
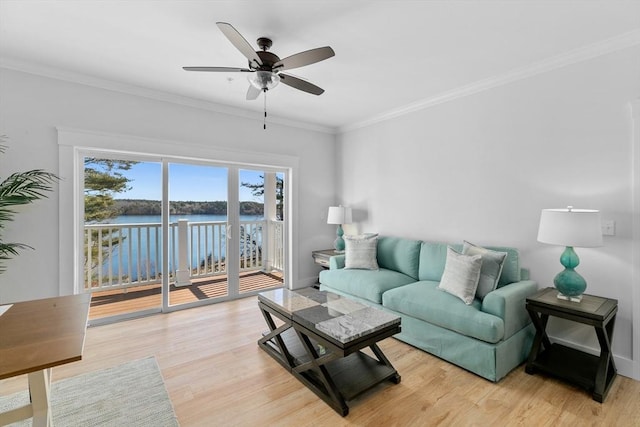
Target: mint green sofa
{"x": 489, "y": 337}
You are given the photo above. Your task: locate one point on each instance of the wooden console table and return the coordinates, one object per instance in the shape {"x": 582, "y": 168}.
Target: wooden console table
{"x": 594, "y": 373}
{"x": 36, "y": 336}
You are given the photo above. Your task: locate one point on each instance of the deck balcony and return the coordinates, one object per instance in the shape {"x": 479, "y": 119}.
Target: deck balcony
{"x": 123, "y": 262}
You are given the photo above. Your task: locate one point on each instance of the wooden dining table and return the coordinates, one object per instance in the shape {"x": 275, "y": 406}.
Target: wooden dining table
{"x": 35, "y": 336}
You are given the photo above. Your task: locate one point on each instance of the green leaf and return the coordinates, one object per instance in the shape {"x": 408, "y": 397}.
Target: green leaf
{"x": 20, "y": 188}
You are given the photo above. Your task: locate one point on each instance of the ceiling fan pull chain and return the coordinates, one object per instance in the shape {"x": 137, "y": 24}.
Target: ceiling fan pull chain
{"x": 264, "y": 125}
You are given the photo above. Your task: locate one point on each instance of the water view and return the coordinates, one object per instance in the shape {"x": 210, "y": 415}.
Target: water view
{"x": 145, "y": 219}
{"x": 138, "y": 248}
{"x": 123, "y": 232}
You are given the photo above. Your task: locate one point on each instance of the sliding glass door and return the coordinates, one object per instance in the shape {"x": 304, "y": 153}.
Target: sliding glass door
{"x": 199, "y": 230}
{"x": 261, "y": 232}
{"x": 166, "y": 234}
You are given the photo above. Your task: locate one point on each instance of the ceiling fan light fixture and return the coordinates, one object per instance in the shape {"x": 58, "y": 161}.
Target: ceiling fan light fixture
{"x": 264, "y": 80}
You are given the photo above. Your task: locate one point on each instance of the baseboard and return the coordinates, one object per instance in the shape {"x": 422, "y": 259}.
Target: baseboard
{"x": 304, "y": 283}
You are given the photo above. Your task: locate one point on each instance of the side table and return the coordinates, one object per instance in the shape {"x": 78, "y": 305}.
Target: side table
{"x": 322, "y": 257}
{"x": 36, "y": 336}
{"x": 594, "y": 373}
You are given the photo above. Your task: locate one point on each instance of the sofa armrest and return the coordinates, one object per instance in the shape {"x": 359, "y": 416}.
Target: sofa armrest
{"x": 336, "y": 262}
{"x": 508, "y": 303}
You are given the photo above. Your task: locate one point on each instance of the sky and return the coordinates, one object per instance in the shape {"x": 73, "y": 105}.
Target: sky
{"x": 186, "y": 182}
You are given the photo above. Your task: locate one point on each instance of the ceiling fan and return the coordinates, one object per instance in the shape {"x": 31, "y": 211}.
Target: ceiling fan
{"x": 267, "y": 67}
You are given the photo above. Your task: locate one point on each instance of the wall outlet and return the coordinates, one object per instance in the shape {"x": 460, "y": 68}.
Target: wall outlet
{"x": 608, "y": 228}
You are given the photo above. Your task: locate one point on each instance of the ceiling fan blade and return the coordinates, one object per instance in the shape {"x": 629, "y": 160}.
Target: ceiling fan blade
{"x": 300, "y": 84}
{"x": 253, "y": 92}
{"x": 304, "y": 58}
{"x": 239, "y": 42}
{"x": 218, "y": 69}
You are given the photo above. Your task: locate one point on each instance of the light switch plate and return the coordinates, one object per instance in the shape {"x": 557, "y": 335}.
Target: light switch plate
{"x": 608, "y": 228}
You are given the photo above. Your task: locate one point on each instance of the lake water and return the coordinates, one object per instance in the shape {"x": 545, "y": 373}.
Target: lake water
{"x": 138, "y": 219}
{"x": 152, "y": 241}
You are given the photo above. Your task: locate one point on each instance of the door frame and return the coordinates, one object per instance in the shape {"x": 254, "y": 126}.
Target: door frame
{"x": 73, "y": 144}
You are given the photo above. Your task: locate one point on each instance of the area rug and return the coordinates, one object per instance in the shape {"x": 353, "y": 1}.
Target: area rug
{"x": 131, "y": 394}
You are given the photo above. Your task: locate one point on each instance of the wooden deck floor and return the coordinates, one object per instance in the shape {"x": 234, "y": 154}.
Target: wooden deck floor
{"x": 121, "y": 301}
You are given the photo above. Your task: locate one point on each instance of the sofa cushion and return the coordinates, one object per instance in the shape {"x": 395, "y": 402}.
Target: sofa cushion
{"x": 422, "y": 300}
{"x": 366, "y": 284}
{"x": 360, "y": 252}
{"x": 511, "y": 268}
{"x": 403, "y": 255}
{"x": 461, "y": 275}
{"x": 492, "y": 262}
{"x": 433, "y": 256}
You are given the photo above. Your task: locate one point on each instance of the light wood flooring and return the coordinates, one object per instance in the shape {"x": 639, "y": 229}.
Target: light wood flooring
{"x": 217, "y": 376}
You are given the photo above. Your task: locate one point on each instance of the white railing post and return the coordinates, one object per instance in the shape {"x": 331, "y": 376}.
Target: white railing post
{"x": 278, "y": 252}
{"x": 270, "y": 203}
{"x": 183, "y": 273}
{"x": 133, "y": 260}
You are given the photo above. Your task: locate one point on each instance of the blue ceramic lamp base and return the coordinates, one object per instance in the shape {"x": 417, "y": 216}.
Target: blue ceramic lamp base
{"x": 338, "y": 244}
{"x": 569, "y": 283}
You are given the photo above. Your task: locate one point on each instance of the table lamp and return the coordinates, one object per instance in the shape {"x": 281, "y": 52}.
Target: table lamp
{"x": 571, "y": 228}
{"x": 339, "y": 215}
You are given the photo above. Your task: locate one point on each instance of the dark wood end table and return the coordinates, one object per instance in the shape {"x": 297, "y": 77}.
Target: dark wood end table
{"x": 319, "y": 342}
{"x": 594, "y": 373}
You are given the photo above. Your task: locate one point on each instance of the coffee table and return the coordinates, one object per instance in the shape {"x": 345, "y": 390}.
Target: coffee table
{"x": 319, "y": 338}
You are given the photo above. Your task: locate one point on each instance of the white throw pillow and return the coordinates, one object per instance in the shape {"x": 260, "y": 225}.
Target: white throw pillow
{"x": 361, "y": 251}
{"x": 492, "y": 263}
{"x": 461, "y": 275}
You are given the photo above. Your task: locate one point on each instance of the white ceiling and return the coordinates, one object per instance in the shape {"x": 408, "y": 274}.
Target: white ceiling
{"x": 390, "y": 55}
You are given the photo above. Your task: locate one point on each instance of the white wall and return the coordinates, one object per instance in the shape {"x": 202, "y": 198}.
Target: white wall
{"x": 482, "y": 167}
{"x": 31, "y": 107}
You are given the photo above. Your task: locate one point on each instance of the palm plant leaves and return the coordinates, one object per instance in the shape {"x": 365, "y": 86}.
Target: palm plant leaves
{"x": 7, "y": 250}
{"x": 20, "y": 188}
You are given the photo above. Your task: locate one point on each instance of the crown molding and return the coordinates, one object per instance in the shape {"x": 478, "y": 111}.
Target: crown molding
{"x": 83, "y": 79}
{"x": 578, "y": 55}
{"x": 575, "y": 56}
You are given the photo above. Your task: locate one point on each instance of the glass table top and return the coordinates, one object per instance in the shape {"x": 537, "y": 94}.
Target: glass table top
{"x": 338, "y": 317}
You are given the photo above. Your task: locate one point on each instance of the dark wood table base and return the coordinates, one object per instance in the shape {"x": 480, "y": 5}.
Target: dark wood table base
{"x": 334, "y": 373}
{"x": 593, "y": 373}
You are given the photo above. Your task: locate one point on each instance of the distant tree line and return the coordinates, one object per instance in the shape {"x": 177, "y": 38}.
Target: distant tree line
{"x": 257, "y": 189}
{"x": 153, "y": 207}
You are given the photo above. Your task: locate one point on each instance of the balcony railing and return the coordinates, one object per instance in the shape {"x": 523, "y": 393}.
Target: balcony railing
{"x": 124, "y": 255}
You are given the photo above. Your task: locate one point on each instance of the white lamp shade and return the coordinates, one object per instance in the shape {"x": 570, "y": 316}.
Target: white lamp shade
{"x": 339, "y": 215}
{"x": 570, "y": 227}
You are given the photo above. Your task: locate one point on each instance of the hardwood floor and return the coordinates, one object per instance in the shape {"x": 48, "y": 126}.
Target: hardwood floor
{"x": 217, "y": 376}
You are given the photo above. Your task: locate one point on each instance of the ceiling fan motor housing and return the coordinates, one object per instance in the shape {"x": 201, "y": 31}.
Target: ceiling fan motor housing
{"x": 268, "y": 59}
